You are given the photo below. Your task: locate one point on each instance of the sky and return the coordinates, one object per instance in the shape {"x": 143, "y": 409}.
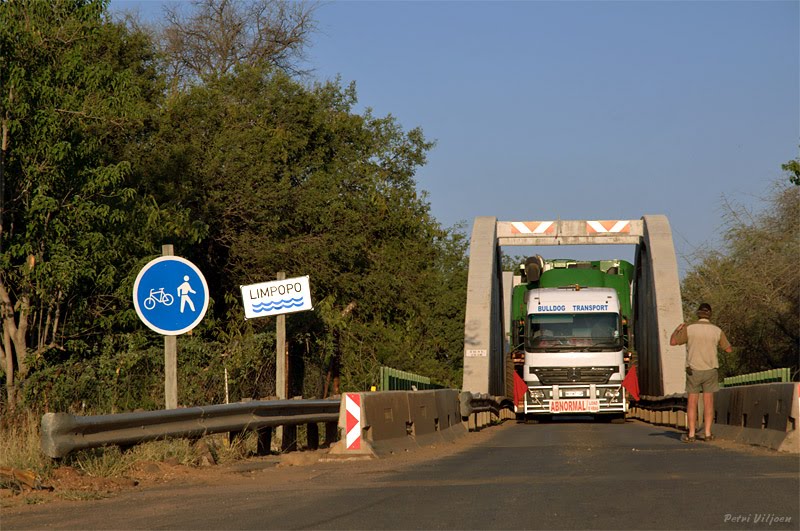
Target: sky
{"x": 595, "y": 110}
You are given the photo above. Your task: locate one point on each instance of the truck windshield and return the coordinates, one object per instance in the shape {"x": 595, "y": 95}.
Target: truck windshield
{"x": 565, "y": 331}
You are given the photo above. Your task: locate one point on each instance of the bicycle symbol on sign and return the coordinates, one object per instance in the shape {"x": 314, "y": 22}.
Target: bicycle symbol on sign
{"x": 156, "y": 296}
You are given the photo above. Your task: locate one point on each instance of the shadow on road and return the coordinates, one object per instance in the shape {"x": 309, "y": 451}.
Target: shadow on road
{"x": 668, "y": 434}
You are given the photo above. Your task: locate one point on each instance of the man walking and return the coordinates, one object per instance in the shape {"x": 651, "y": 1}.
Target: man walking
{"x": 702, "y": 363}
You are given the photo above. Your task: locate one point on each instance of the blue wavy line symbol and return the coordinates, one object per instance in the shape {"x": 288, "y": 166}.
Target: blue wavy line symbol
{"x": 277, "y": 305}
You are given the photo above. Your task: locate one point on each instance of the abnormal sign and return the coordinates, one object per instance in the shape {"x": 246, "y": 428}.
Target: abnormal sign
{"x": 575, "y": 406}
{"x": 276, "y": 297}
{"x": 170, "y": 295}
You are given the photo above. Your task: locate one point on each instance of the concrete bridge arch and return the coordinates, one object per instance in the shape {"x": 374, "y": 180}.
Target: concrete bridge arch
{"x": 656, "y": 296}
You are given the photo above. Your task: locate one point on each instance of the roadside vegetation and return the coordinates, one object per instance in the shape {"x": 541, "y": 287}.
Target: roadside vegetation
{"x": 117, "y": 139}
{"x": 753, "y": 281}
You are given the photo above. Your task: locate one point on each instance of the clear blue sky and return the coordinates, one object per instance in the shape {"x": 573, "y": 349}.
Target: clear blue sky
{"x": 578, "y": 110}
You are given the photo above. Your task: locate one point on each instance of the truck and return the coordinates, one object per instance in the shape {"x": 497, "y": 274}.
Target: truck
{"x": 572, "y": 336}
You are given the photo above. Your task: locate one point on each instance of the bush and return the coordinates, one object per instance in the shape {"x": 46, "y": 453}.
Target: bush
{"x": 753, "y": 284}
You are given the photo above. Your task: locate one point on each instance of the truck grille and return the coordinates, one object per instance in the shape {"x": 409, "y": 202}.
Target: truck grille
{"x": 567, "y": 375}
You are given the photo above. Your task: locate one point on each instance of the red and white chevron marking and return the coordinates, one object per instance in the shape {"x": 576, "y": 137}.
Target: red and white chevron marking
{"x": 605, "y": 227}
{"x": 352, "y": 406}
{"x": 532, "y": 227}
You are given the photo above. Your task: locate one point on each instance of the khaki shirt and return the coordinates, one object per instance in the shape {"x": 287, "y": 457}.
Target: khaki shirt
{"x": 702, "y": 339}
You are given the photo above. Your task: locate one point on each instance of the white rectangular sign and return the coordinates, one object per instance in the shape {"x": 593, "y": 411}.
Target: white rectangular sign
{"x": 276, "y": 297}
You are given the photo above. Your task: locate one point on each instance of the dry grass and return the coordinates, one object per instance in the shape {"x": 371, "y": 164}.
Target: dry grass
{"x": 20, "y": 446}
{"x": 20, "y": 449}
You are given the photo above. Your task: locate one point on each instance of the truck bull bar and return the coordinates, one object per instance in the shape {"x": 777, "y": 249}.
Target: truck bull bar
{"x": 539, "y": 399}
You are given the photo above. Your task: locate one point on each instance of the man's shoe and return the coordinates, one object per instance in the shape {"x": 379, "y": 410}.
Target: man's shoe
{"x": 686, "y": 439}
{"x": 709, "y": 438}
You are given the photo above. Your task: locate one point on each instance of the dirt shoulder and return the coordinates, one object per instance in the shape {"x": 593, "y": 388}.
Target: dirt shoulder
{"x": 69, "y": 485}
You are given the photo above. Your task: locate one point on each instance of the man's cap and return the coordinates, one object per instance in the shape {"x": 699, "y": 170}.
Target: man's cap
{"x": 704, "y": 310}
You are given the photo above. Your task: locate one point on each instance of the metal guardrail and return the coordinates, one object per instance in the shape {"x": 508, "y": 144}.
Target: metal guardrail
{"x": 771, "y": 376}
{"x": 674, "y": 402}
{"x": 396, "y": 380}
{"x": 482, "y": 403}
{"x": 62, "y": 433}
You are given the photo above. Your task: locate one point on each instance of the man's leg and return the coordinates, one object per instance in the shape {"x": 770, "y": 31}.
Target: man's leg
{"x": 691, "y": 412}
{"x": 708, "y": 413}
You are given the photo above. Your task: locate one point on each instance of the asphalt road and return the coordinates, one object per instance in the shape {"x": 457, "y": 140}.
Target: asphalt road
{"x": 564, "y": 475}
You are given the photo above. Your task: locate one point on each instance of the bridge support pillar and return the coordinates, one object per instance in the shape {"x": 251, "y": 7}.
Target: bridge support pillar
{"x": 484, "y": 365}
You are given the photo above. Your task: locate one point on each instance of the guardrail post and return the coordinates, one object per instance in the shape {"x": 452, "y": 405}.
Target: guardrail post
{"x": 331, "y": 433}
{"x": 289, "y": 439}
{"x": 233, "y": 435}
{"x": 682, "y": 420}
{"x": 312, "y": 436}
{"x": 264, "y": 441}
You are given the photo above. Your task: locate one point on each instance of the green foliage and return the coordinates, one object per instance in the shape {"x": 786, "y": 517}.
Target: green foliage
{"x": 248, "y": 174}
{"x": 289, "y": 179}
{"x": 512, "y": 262}
{"x": 76, "y": 91}
{"x": 793, "y": 168}
{"x": 753, "y": 285}
{"x": 128, "y": 374}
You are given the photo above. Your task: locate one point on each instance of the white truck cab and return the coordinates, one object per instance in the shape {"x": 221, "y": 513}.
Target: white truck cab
{"x": 574, "y": 353}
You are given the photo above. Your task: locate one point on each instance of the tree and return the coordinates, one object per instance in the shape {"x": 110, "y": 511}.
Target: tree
{"x": 753, "y": 284}
{"x": 219, "y": 35}
{"x": 289, "y": 179}
{"x": 75, "y": 89}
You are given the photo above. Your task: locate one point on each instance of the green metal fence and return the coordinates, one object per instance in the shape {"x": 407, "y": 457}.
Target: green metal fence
{"x": 394, "y": 380}
{"x": 775, "y": 375}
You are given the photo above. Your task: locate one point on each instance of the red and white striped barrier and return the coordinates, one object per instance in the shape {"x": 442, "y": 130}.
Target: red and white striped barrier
{"x": 352, "y": 405}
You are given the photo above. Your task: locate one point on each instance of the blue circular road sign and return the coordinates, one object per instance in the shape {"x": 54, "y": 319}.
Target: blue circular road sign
{"x": 170, "y": 295}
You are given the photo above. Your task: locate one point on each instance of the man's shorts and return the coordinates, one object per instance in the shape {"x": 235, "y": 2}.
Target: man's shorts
{"x": 703, "y": 381}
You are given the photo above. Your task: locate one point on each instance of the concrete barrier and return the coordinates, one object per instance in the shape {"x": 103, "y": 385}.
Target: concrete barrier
{"x": 760, "y": 414}
{"x": 400, "y": 421}
{"x": 448, "y": 408}
{"x": 387, "y": 421}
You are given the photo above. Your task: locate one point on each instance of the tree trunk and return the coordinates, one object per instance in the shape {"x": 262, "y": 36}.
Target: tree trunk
{"x": 14, "y": 340}
{"x": 57, "y": 316}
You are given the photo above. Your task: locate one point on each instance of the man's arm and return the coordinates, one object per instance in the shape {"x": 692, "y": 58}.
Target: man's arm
{"x": 678, "y": 337}
{"x": 723, "y": 343}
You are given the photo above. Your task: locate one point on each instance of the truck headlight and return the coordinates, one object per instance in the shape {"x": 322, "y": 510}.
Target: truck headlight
{"x": 536, "y": 393}
{"x": 611, "y": 394}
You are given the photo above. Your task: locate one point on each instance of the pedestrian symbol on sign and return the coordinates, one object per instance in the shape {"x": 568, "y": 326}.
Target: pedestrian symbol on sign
{"x": 184, "y": 290}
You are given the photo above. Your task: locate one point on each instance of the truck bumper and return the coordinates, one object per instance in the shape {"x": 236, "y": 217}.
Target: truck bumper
{"x": 575, "y": 399}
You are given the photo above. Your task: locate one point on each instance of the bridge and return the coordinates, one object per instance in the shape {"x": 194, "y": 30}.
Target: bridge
{"x": 656, "y": 296}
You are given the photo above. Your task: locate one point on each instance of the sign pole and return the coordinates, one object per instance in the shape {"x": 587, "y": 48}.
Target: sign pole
{"x": 280, "y": 351}
{"x": 280, "y": 366}
{"x": 170, "y": 357}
